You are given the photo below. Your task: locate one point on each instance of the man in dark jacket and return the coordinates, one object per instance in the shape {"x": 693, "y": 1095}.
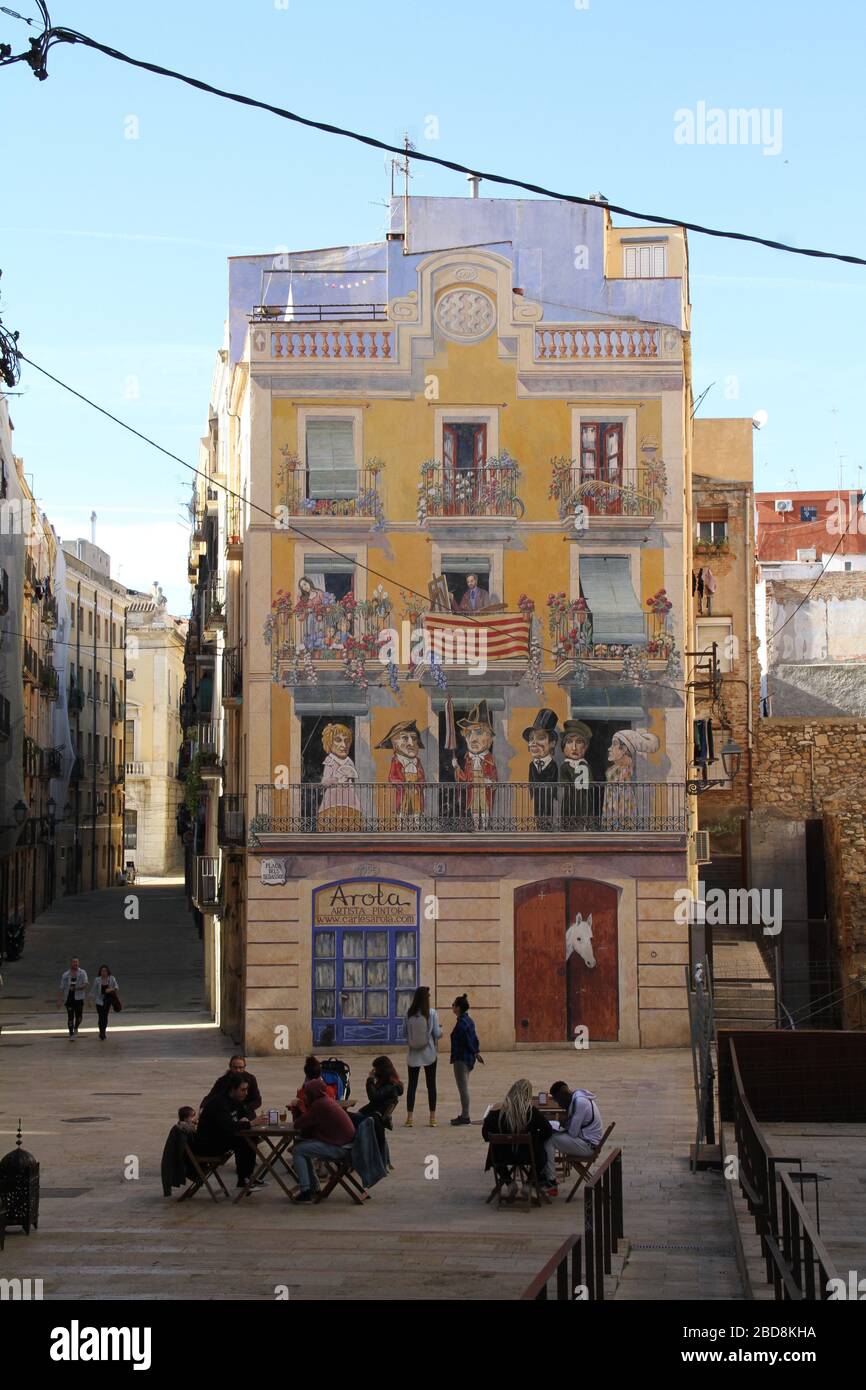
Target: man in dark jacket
{"x": 542, "y": 737}
{"x": 222, "y": 1125}
{"x": 326, "y": 1131}
{"x": 238, "y": 1070}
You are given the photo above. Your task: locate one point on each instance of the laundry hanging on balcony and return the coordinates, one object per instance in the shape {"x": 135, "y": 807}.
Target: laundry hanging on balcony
{"x": 617, "y": 616}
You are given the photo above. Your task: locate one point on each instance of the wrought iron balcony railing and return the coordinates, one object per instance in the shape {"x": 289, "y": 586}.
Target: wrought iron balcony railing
{"x": 31, "y": 663}
{"x": 75, "y": 700}
{"x": 435, "y": 808}
{"x": 570, "y": 623}
{"x": 322, "y": 628}
{"x": 206, "y": 887}
{"x": 52, "y": 762}
{"x": 231, "y": 820}
{"x": 232, "y": 676}
{"x": 488, "y": 490}
{"x": 214, "y": 603}
{"x": 319, "y": 313}
{"x": 324, "y": 492}
{"x": 637, "y": 492}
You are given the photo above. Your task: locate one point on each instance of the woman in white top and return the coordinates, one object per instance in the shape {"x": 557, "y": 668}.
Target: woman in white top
{"x": 103, "y": 994}
{"x": 423, "y": 1031}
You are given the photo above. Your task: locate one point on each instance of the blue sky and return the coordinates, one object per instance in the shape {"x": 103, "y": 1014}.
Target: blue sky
{"x": 114, "y": 249}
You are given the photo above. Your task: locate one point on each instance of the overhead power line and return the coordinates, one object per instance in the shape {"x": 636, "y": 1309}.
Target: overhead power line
{"x": 37, "y": 58}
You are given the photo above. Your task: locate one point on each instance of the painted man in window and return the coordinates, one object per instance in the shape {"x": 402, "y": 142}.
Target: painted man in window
{"x": 479, "y": 769}
{"x": 475, "y": 597}
{"x": 542, "y": 737}
{"x": 406, "y": 773}
{"x": 575, "y": 775}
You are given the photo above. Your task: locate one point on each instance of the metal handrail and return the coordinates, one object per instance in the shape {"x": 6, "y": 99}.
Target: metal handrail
{"x": 558, "y": 1265}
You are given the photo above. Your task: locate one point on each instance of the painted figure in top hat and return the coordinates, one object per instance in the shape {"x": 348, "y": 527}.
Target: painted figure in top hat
{"x": 542, "y": 737}
{"x": 479, "y": 769}
{"x": 406, "y": 772}
{"x": 574, "y": 773}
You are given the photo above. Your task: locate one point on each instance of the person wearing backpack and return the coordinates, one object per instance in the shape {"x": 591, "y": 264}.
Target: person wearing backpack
{"x": 423, "y": 1031}
{"x": 465, "y": 1052}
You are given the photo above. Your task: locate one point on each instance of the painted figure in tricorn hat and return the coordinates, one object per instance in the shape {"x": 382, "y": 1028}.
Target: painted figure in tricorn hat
{"x": 479, "y": 768}
{"x": 542, "y": 737}
{"x": 574, "y": 772}
{"x": 406, "y": 771}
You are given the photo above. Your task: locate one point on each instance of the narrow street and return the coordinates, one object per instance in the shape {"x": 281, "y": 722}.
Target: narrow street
{"x": 157, "y": 959}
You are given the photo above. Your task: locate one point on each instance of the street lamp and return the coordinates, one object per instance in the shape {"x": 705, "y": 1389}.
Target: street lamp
{"x": 732, "y": 755}
{"x": 19, "y": 815}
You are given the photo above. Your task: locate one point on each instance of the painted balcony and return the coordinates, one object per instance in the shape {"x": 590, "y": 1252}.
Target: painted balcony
{"x": 307, "y": 633}
{"x": 626, "y": 492}
{"x": 489, "y": 490}
{"x": 346, "y": 493}
{"x": 572, "y": 636}
{"x": 206, "y": 884}
{"x": 602, "y": 343}
{"x": 325, "y": 333}
{"x": 446, "y": 808}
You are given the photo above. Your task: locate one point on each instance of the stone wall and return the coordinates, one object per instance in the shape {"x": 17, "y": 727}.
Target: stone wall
{"x": 814, "y": 768}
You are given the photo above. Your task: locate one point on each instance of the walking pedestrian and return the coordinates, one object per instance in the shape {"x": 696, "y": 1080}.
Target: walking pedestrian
{"x": 423, "y": 1031}
{"x": 104, "y": 992}
{"x": 72, "y": 993}
{"x": 465, "y": 1052}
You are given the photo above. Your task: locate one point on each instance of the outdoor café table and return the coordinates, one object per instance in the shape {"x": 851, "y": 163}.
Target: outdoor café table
{"x": 271, "y": 1143}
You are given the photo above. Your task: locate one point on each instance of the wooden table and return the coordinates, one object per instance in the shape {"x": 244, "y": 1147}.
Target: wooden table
{"x": 277, "y": 1140}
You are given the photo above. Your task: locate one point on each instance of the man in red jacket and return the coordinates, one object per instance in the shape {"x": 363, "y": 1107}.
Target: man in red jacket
{"x": 327, "y": 1133}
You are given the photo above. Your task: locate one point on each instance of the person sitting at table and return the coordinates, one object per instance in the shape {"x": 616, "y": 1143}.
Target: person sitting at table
{"x": 517, "y": 1115}
{"x": 384, "y": 1089}
{"x": 221, "y": 1127}
{"x": 312, "y": 1072}
{"x": 577, "y": 1135}
{"x": 175, "y": 1168}
{"x": 238, "y": 1068}
{"x": 326, "y": 1131}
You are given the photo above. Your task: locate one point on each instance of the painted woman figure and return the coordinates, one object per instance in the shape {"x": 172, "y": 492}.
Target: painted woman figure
{"x": 340, "y": 808}
{"x": 309, "y": 611}
{"x": 620, "y": 797}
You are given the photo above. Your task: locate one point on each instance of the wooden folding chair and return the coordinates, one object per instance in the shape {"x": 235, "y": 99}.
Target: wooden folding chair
{"x": 583, "y": 1166}
{"x": 509, "y": 1168}
{"x": 204, "y": 1169}
{"x": 342, "y": 1174}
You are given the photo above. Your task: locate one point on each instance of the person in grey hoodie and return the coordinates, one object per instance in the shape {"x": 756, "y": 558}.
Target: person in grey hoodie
{"x": 577, "y": 1135}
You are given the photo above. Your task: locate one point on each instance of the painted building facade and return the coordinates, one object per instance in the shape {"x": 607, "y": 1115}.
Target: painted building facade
{"x": 458, "y": 602}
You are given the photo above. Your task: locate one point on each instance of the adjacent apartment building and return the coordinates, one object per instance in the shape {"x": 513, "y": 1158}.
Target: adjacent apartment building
{"x": 438, "y": 714}
{"x": 154, "y": 674}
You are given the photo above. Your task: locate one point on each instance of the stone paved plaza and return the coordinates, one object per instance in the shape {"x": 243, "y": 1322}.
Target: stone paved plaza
{"x": 88, "y": 1106}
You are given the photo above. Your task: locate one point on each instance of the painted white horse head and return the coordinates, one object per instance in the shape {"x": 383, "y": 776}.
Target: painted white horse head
{"x": 578, "y": 939}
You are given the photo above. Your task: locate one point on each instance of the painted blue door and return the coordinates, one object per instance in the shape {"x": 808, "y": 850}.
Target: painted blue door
{"x": 363, "y": 982}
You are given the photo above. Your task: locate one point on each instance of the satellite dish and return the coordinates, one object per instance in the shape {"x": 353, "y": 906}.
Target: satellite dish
{"x": 759, "y": 419}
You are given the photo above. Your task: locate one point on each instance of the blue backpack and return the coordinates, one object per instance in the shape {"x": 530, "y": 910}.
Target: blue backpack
{"x": 335, "y": 1072}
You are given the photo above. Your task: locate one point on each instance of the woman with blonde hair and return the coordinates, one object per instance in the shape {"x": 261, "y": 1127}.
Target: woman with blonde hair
{"x": 517, "y": 1115}
{"x": 340, "y": 808}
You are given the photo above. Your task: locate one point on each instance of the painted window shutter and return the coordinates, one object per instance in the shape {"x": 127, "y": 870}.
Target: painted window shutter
{"x": 331, "y": 459}
{"x": 616, "y": 612}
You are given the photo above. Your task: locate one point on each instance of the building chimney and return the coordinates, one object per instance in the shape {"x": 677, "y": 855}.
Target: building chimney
{"x": 93, "y": 528}
{"x": 474, "y": 181}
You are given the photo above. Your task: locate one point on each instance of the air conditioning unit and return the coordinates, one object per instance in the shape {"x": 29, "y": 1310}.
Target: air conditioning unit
{"x": 784, "y": 504}
{"x": 702, "y": 847}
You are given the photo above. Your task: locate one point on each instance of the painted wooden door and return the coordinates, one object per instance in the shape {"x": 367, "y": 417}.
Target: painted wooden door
{"x": 539, "y": 962}
{"x": 593, "y": 990}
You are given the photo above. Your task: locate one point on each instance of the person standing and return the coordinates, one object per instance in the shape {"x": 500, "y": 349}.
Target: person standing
{"x": 103, "y": 994}
{"x": 72, "y": 993}
{"x": 423, "y": 1031}
{"x": 465, "y": 1052}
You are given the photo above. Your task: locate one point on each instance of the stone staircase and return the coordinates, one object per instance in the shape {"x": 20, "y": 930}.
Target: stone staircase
{"x": 743, "y": 991}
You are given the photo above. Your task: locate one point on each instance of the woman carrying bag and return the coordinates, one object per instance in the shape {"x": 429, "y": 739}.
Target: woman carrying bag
{"x": 106, "y": 996}
{"x": 423, "y": 1031}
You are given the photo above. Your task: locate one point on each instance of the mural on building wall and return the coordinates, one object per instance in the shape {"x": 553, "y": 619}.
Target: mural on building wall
{"x": 542, "y": 737}
{"x": 566, "y": 960}
{"x": 340, "y": 807}
{"x": 574, "y": 773}
{"x": 406, "y": 772}
{"x": 478, "y": 772}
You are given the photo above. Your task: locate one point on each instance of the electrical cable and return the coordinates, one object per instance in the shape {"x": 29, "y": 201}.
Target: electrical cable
{"x": 37, "y": 58}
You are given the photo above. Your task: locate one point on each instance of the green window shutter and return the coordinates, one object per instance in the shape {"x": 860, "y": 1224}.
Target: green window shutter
{"x": 331, "y": 469}
{"x": 616, "y": 612}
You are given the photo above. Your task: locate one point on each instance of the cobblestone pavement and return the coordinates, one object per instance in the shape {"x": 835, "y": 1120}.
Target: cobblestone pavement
{"x": 90, "y": 1108}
